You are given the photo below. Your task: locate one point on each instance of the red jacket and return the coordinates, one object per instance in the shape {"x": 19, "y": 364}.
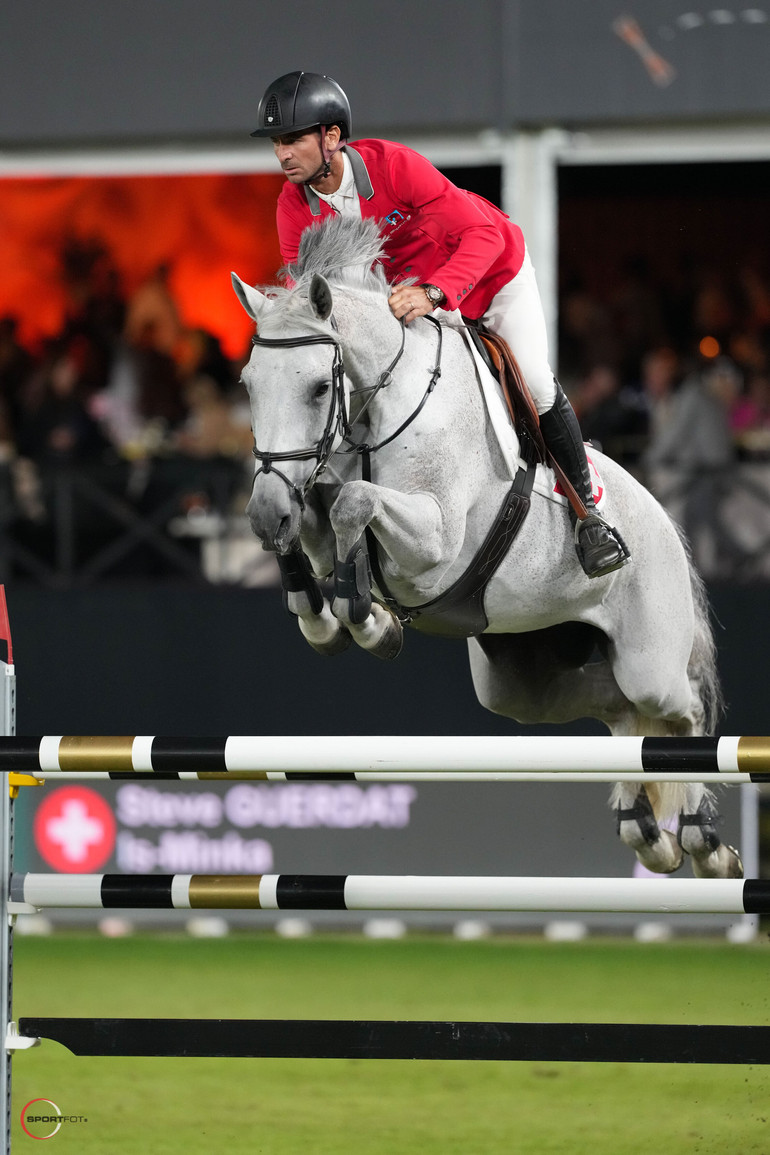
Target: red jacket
{"x": 433, "y": 230}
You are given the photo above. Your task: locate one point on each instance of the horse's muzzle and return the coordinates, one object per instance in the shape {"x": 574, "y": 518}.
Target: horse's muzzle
{"x": 275, "y": 515}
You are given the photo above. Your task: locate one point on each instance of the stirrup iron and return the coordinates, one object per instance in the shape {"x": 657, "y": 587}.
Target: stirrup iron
{"x": 622, "y": 552}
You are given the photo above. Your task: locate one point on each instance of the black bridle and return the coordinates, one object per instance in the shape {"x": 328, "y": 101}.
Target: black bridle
{"x": 337, "y": 428}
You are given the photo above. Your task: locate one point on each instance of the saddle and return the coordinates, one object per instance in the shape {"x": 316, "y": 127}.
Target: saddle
{"x": 521, "y": 408}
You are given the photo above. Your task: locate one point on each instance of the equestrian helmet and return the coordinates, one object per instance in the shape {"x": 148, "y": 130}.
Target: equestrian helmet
{"x": 299, "y": 101}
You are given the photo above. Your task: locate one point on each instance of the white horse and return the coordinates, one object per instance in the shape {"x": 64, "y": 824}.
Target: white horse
{"x": 338, "y": 386}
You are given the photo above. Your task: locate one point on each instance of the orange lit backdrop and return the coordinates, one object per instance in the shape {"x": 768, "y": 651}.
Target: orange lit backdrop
{"x": 202, "y": 226}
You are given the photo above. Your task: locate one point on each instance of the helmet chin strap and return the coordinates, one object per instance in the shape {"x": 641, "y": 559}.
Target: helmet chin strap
{"x": 327, "y": 154}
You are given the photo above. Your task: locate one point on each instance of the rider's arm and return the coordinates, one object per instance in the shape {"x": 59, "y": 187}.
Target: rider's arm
{"x": 466, "y": 234}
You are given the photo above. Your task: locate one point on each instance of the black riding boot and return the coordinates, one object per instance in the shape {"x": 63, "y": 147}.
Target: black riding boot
{"x": 599, "y": 547}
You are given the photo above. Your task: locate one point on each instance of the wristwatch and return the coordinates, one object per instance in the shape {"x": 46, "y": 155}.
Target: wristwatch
{"x": 434, "y": 295}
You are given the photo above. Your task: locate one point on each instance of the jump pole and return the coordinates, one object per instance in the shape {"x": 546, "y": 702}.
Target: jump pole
{"x": 391, "y": 758}
{"x": 31, "y": 892}
{"x": 378, "y": 1039}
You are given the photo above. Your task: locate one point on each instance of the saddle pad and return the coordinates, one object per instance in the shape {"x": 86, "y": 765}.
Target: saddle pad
{"x": 546, "y": 483}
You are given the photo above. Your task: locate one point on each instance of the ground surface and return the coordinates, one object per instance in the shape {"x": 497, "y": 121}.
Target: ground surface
{"x": 187, "y": 1106}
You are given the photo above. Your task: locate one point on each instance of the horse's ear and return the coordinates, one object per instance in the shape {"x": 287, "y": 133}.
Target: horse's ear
{"x": 255, "y": 303}
{"x": 321, "y": 297}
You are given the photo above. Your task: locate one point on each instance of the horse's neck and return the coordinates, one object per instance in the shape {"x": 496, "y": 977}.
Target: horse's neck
{"x": 370, "y": 337}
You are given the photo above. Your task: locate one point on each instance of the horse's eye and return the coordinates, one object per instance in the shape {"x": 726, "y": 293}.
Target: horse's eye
{"x": 321, "y": 390}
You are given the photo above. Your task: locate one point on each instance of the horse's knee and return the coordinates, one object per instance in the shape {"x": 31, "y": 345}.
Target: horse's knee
{"x": 352, "y": 511}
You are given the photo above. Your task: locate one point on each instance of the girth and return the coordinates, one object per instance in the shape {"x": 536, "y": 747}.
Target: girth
{"x": 459, "y": 611}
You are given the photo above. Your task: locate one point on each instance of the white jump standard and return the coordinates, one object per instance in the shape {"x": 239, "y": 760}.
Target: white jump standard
{"x": 389, "y": 892}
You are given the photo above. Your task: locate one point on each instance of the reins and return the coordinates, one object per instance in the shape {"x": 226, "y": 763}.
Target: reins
{"x": 337, "y": 428}
{"x": 364, "y": 449}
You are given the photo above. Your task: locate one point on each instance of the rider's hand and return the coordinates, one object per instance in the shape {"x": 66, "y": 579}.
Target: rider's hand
{"x": 409, "y": 302}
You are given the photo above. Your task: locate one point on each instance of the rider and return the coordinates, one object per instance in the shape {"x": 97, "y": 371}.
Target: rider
{"x": 465, "y": 253}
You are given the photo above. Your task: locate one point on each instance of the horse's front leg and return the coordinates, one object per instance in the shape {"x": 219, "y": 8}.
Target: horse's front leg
{"x": 412, "y": 534}
{"x": 304, "y": 599}
{"x": 311, "y": 558}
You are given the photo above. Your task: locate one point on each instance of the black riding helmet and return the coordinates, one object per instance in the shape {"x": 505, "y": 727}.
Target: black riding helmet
{"x": 299, "y": 101}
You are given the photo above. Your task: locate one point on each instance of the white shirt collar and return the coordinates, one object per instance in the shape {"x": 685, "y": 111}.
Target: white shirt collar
{"x": 345, "y": 200}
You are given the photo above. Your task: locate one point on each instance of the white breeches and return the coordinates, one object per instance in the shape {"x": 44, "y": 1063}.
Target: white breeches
{"x": 516, "y": 313}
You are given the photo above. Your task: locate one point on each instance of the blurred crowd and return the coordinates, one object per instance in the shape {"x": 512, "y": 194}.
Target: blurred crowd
{"x": 124, "y": 378}
{"x": 670, "y": 374}
{"x": 672, "y": 379}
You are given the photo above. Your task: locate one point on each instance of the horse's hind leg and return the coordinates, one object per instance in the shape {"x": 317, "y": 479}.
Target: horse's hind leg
{"x": 672, "y": 698}
{"x": 658, "y": 849}
{"x": 545, "y": 676}
{"x": 697, "y": 834}
{"x": 639, "y": 810}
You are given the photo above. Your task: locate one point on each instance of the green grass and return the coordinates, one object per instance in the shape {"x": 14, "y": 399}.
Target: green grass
{"x": 187, "y": 1106}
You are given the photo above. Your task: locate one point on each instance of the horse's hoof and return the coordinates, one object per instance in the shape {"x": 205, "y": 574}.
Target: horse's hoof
{"x": 325, "y": 634}
{"x": 382, "y": 635}
{"x": 391, "y": 642}
{"x": 335, "y": 645}
{"x": 724, "y": 862}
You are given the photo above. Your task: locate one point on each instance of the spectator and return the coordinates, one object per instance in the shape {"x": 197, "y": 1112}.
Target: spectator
{"x": 750, "y": 416}
{"x": 637, "y": 318}
{"x": 696, "y": 436}
{"x": 16, "y": 367}
{"x": 612, "y": 417}
{"x": 60, "y": 428}
{"x": 152, "y": 308}
{"x": 212, "y": 427}
{"x": 660, "y": 378}
{"x": 159, "y": 393}
{"x": 696, "y": 445}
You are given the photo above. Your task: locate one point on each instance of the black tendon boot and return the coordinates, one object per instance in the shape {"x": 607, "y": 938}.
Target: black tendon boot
{"x": 600, "y": 548}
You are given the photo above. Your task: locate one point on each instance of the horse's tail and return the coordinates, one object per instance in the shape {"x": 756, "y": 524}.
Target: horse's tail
{"x": 702, "y": 667}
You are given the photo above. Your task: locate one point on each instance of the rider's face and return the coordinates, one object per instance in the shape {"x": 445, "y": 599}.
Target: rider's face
{"x": 299, "y": 155}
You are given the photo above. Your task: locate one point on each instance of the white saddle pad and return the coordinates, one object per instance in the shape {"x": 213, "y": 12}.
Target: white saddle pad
{"x": 546, "y": 483}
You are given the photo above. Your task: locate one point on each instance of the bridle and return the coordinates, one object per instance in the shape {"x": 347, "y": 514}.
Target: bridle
{"x": 337, "y": 428}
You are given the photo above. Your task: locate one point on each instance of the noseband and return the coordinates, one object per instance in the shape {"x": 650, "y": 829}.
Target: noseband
{"x": 336, "y": 420}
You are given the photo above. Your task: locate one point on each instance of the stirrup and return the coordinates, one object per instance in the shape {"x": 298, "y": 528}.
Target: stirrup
{"x": 613, "y": 553}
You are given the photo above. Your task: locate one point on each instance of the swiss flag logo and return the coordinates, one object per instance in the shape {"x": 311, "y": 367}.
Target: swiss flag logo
{"x": 74, "y": 830}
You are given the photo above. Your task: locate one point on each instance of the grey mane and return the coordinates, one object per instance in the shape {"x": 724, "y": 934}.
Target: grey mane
{"x": 344, "y": 250}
